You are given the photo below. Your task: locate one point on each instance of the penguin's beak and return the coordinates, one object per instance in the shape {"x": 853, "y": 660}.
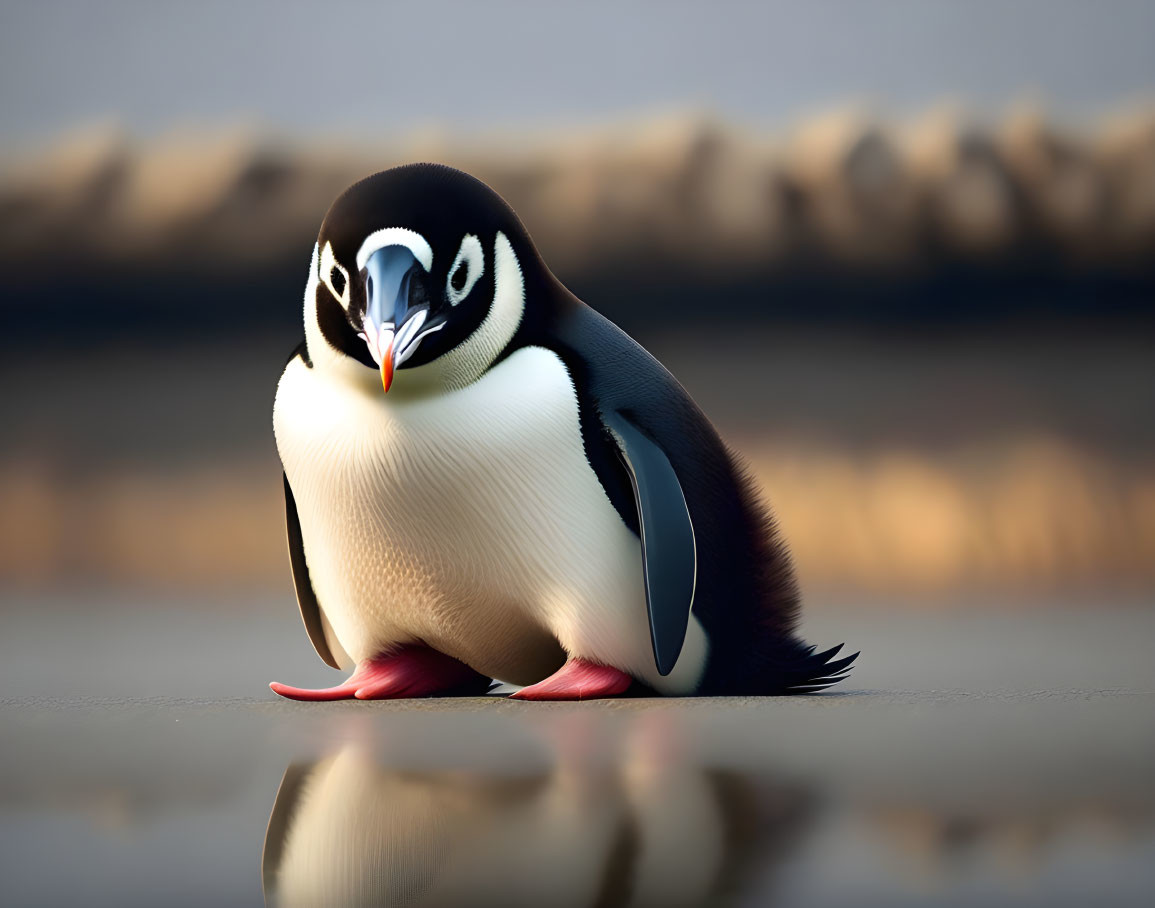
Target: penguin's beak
{"x": 381, "y": 349}
{"x": 393, "y": 327}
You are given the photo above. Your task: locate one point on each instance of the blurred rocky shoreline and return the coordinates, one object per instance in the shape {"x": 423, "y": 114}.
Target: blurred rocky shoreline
{"x": 848, "y": 188}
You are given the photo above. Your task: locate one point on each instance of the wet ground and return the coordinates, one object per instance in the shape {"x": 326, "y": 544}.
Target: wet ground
{"x": 983, "y": 756}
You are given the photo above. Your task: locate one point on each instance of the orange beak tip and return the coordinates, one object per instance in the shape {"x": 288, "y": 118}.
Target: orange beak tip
{"x": 387, "y": 369}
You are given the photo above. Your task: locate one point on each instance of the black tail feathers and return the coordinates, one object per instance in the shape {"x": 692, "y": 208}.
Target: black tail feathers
{"x": 814, "y": 671}
{"x": 789, "y": 667}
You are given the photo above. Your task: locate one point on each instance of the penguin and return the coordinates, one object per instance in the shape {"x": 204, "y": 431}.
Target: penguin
{"x": 486, "y": 480}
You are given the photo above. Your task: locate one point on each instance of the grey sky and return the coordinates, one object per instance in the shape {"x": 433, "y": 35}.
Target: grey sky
{"x": 315, "y": 67}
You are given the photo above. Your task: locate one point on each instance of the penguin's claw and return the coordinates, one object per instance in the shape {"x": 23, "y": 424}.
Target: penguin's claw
{"x": 412, "y": 671}
{"x": 578, "y": 679}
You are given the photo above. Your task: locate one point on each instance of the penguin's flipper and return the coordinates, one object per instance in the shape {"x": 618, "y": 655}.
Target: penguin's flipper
{"x": 669, "y": 554}
{"x": 311, "y": 613}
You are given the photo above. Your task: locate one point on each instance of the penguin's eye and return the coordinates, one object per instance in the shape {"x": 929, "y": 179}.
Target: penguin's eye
{"x": 335, "y": 277}
{"x": 457, "y": 280}
{"x": 467, "y": 268}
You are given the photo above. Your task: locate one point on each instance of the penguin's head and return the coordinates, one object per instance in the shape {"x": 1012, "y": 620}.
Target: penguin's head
{"x": 416, "y": 278}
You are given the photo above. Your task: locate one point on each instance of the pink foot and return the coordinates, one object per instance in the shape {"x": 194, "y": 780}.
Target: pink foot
{"x": 412, "y": 671}
{"x": 578, "y": 680}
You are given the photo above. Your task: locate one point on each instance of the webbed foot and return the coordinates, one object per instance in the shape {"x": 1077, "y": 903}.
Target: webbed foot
{"x": 578, "y": 679}
{"x": 411, "y": 671}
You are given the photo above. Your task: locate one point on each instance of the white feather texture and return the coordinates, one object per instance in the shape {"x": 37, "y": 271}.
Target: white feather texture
{"x": 467, "y": 518}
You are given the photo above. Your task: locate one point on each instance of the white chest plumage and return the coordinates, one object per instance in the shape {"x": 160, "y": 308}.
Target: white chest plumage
{"x": 469, "y": 520}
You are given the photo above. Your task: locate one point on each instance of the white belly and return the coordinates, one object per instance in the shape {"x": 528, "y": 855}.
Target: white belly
{"x": 468, "y": 520}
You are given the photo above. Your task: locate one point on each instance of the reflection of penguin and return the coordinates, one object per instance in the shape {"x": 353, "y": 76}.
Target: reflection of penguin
{"x": 346, "y": 831}
{"x": 532, "y": 477}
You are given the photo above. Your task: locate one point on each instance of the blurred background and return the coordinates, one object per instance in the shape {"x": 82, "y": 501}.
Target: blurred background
{"x": 902, "y": 252}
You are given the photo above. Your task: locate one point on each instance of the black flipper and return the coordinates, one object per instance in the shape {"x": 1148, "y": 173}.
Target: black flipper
{"x": 669, "y": 555}
{"x": 306, "y": 598}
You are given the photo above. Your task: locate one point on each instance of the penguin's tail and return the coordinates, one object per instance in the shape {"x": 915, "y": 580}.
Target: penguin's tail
{"x": 813, "y": 672}
{"x": 799, "y": 670}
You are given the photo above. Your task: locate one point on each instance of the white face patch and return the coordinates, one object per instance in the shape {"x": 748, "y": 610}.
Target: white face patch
{"x": 334, "y": 276}
{"x": 396, "y": 236}
{"x": 467, "y": 268}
